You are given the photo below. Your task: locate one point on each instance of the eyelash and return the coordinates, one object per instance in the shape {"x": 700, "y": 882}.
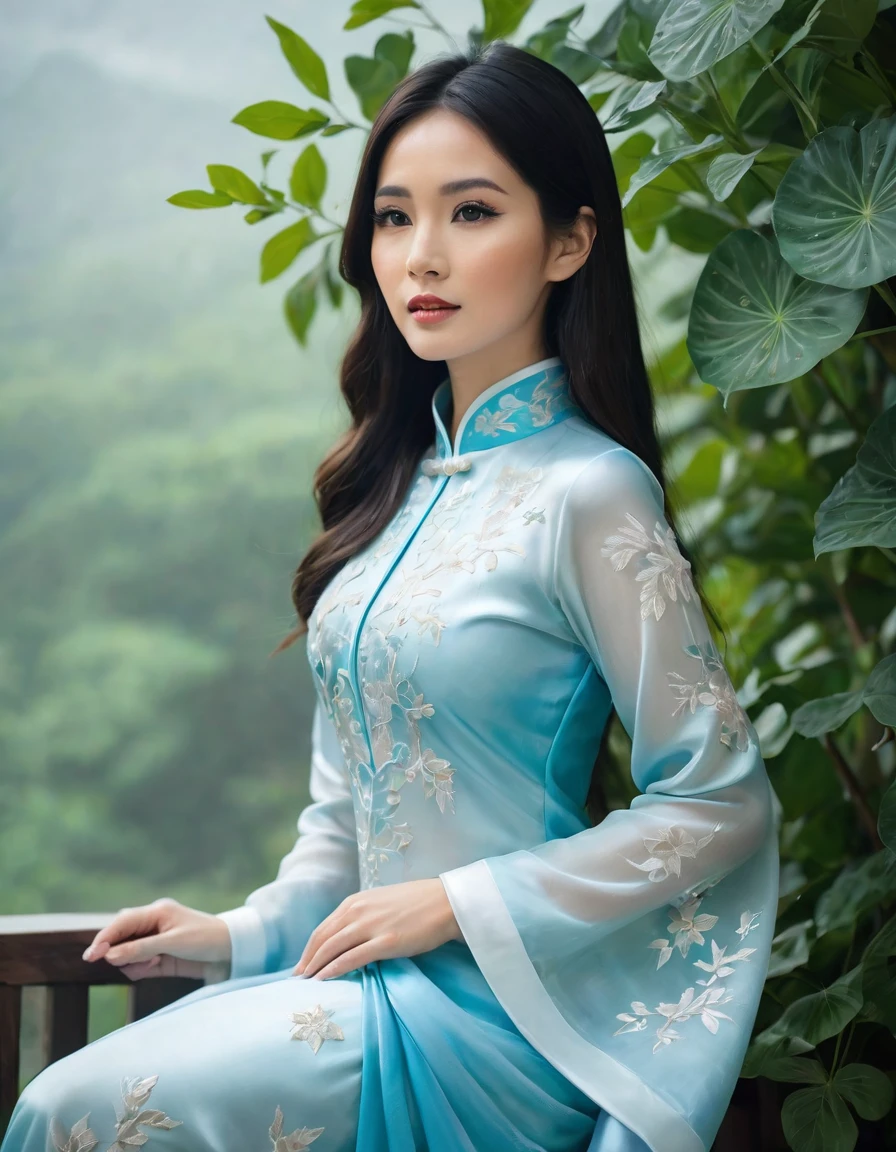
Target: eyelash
{"x": 379, "y": 218}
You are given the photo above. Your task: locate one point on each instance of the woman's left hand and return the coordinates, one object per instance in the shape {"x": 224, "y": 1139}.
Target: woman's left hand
{"x": 380, "y": 924}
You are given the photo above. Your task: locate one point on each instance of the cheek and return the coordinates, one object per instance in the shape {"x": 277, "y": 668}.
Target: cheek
{"x": 505, "y": 267}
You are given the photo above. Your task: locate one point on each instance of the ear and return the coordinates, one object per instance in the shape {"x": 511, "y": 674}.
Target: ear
{"x": 573, "y": 247}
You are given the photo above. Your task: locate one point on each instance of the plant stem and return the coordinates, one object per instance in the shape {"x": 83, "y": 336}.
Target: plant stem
{"x": 819, "y": 374}
{"x": 854, "y": 788}
{"x": 883, "y": 290}
{"x": 871, "y": 332}
{"x": 786, "y": 86}
{"x": 437, "y": 26}
{"x": 877, "y": 74}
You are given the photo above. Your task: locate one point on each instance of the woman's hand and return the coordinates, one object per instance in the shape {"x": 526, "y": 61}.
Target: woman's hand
{"x": 171, "y": 940}
{"x": 379, "y": 924}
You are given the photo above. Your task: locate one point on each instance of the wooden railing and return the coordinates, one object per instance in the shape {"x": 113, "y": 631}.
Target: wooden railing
{"x": 45, "y": 950}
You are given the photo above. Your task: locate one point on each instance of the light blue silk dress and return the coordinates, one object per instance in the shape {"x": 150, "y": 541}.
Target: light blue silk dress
{"x": 465, "y": 663}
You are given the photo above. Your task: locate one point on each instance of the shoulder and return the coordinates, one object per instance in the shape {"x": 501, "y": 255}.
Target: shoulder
{"x": 602, "y": 474}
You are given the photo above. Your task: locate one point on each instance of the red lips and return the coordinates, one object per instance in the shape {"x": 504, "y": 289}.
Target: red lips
{"x": 429, "y": 301}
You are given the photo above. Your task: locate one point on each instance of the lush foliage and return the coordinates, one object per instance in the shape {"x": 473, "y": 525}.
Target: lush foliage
{"x": 761, "y": 137}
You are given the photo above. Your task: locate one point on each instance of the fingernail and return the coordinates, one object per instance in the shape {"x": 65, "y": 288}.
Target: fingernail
{"x": 88, "y": 953}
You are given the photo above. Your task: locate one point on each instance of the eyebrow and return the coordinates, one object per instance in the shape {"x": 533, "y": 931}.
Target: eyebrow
{"x": 449, "y": 189}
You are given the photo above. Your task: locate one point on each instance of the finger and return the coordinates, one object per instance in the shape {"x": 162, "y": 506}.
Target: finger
{"x": 128, "y": 922}
{"x": 319, "y": 936}
{"x": 354, "y": 958}
{"x": 340, "y": 942}
{"x": 150, "y": 967}
{"x": 134, "y": 951}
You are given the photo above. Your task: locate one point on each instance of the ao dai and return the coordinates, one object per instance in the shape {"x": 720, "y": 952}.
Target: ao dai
{"x": 465, "y": 663}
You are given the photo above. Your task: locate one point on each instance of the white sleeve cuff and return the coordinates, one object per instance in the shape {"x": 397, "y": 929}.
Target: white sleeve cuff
{"x": 248, "y": 941}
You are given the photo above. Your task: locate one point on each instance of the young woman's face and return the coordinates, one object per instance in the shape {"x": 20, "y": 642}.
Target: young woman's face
{"x": 481, "y": 247}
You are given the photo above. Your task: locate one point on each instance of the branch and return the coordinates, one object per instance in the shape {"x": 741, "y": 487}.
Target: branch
{"x": 854, "y": 788}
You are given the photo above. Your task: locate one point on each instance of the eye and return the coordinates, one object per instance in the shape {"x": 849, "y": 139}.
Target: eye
{"x": 381, "y": 217}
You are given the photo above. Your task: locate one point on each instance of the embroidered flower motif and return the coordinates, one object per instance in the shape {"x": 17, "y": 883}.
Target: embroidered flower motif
{"x": 548, "y": 398}
{"x": 688, "y": 928}
{"x": 134, "y": 1093}
{"x": 667, "y": 849}
{"x": 315, "y": 1026}
{"x": 748, "y": 921}
{"x": 80, "y": 1139}
{"x": 719, "y": 966}
{"x": 385, "y": 742}
{"x": 301, "y": 1138}
{"x": 703, "y": 1006}
{"x": 666, "y": 564}
{"x": 713, "y": 690}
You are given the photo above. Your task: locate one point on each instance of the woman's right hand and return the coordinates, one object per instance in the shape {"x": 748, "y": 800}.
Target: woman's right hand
{"x": 164, "y": 938}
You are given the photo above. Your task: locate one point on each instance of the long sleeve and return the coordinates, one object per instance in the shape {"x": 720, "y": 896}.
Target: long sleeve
{"x": 591, "y": 940}
{"x": 270, "y": 929}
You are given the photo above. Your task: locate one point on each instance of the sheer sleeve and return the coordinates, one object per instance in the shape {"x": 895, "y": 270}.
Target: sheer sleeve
{"x": 270, "y": 929}
{"x": 585, "y": 939}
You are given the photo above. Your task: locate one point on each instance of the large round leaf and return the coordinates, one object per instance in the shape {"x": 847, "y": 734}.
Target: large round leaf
{"x": 835, "y": 209}
{"x": 886, "y": 818}
{"x": 817, "y": 1120}
{"x": 754, "y": 322}
{"x": 880, "y": 691}
{"x": 693, "y": 34}
{"x": 866, "y": 1088}
{"x": 861, "y": 509}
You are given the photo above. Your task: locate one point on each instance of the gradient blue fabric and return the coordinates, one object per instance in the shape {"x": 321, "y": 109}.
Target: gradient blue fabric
{"x": 465, "y": 664}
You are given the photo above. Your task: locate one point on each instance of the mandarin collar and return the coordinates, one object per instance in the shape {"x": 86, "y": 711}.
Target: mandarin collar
{"x": 517, "y": 405}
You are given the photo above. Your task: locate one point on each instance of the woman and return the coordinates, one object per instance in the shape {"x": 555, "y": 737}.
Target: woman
{"x": 453, "y": 956}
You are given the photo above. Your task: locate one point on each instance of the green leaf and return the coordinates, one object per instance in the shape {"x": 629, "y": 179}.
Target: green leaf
{"x": 304, "y": 61}
{"x": 867, "y": 1089}
{"x": 726, "y": 172}
{"x": 396, "y": 50}
{"x": 754, "y": 322}
{"x": 827, "y": 713}
{"x": 692, "y": 35}
{"x": 299, "y": 304}
{"x": 886, "y": 818}
{"x": 630, "y": 103}
{"x": 363, "y": 11}
{"x": 308, "y": 179}
{"x": 815, "y": 1017}
{"x": 790, "y": 949}
{"x": 858, "y": 889}
{"x": 284, "y": 247}
{"x": 835, "y": 209}
{"x": 880, "y": 691}
{"x": 372, "y": 81}
{"x": 235, "y": 184}
{"x": 817, "y": 1120}
{"x": 502, "y": 17}
{"x": 279, "y": 120}
{"x": 861, "y": 508}
{"x": 256, "y": 214}
{"x": 199, "y": 198}
{"x": 878, "y": 983}
{"x": 656, "y": 162}
{"x": 335, "y": 129}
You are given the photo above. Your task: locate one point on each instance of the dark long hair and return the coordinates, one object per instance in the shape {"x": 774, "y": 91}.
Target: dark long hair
{"x": 542, "y": 124}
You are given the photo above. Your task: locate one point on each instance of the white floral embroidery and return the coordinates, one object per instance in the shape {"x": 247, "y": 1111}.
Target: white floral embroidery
{"x": 315, "y": 1026}
{"x": 395, "y": 711}
{"x": 666, "y": 850}
{"x": 713, "y": 690}
{"x": 719, "y": 964}
{"x": 666, "y": 564}
{"x": 80, "y": 1139}
{"x": 748, "y": 921}
{"x": 705, "y": 1006}
{"x": 301, "y": 1138}
{"x": 549, "y": 397}
{"x": 688, "y": 927}
{"x": 135, "y": 1092}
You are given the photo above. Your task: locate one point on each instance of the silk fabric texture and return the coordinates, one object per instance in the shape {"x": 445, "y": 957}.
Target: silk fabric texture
{"x": 465, "y": 664}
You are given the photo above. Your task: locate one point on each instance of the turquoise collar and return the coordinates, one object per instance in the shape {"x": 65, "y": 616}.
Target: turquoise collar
{"x": 524, "y": 402}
